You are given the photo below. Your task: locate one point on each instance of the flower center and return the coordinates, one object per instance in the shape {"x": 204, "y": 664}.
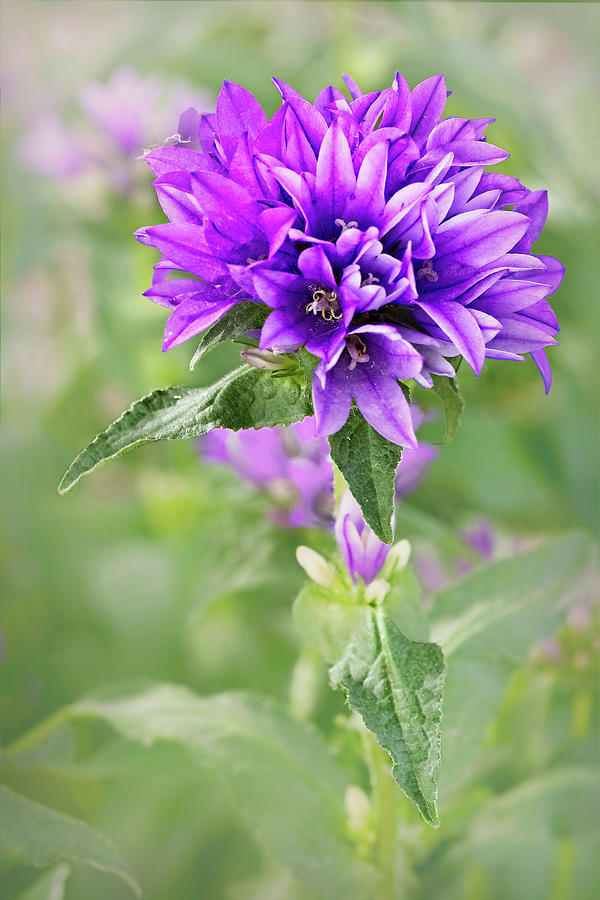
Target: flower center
{"x": 357, "y": 350}
{"x": 326, "y": 303}
{"x": 427, "y": 271}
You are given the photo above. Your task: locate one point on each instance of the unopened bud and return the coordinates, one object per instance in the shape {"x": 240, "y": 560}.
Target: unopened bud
{"x": 264, "y": 359}
{"x": 377, "y": 590}
{"x": 397, "y": 558}
{"x": 317, "y": 568}
{"x": 358, "y": 808}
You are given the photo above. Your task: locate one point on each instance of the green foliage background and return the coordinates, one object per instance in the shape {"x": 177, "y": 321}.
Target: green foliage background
{"x": 159, "y": 568}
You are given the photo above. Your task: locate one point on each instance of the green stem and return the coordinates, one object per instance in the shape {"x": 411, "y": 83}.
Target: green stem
{"x": 385, "y": 812}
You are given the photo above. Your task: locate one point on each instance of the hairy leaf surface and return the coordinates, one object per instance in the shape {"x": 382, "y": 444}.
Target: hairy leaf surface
{"x": 396, "y": 686}
{"x": 245, "y": 398}
{"x": 368, "y": 462}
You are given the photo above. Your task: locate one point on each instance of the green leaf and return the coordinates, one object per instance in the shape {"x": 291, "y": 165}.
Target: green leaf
{"x": 368, "y": 462}
{"x": 243, "y": 317}
{"x": 447, "y": 389}
{"x": 288, "y": 786}
{"x": 51, "y": 885}
{"x": 324, "y": 623}
{"x": 536, "y": 841}
{"x": 245, "y": 398}
{"x": 487, "y": 625}
{"x": 34, "y": 835}
{"x": 396, "y": 686}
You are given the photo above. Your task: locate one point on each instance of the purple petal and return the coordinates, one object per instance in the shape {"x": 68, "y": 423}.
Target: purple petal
{"x": 479, "y": 238}
{"x": 541, "y": 361}
{"x": 535, "y": 207}
{"x": 451, "y": 129}
{"x": 331, "y": 404}
{"x": 461, "y": 328}
{"x": 276, "y": 223}
{"x": 369, "y": 198}
{"x": 428, "y": 101}
{"x": 382, "y": 402}
{"x": 552, "y": 274}
{"x": 185, "y": 246}
{"x": 353, "y": 89}
{"x": 191, "y": 317}
{"x": 315, "y": 266}
{"x": 279, "y": 289}
{"x": 465, "y": 183}
{"x": 179, "y": 159}
{"x": 335, "y": 180}
{"x": 237, "y": 111}
{"x": 397, "y": 111}
{"x": 284, "y": 328}
{"x": 227, "y": 204}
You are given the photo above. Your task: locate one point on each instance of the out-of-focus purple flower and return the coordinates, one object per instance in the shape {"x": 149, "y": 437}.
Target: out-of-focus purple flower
{"x": 415, "y": 460}
{"x": 294, "y": 467}
{"x": 50, "y": 149}
{"x": 122, "y": 117}
{"x": 353, "y": 219}
{"x": 289, "y": 464}
{"x": 362, "y": 551}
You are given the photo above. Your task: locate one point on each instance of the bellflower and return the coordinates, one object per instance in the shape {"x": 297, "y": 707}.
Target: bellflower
{"x": 369, "y": 226}
{"x": 289, "y": 464}
{"x": 294, "y": 467}
{"x": 121, "y": 118}
{"x": 363, "y": 553}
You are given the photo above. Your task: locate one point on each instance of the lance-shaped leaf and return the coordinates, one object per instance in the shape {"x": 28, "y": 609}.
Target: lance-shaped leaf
{"x": 396, "y": 686}
{"x": 245, "y": 398}
{"x": 33, "y": 835}
{"x": 288, "y": 786}
{"x": 447, "y": 389}
{"x": 368, "y": 462}
{"x": 243, "y": 317}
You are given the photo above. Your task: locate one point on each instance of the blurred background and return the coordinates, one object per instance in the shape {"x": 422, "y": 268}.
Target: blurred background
{"x": 165, "y": 568}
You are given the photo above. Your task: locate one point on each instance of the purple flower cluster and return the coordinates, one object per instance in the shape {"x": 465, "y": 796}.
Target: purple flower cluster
{"x": 289, "y": 464}
{"x": 370, "y": 228}
{"x": 294, "y": 467}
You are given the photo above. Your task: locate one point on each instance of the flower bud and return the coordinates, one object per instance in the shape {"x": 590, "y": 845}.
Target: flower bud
{"x": 317, "y": 568}
{"x": 265, "y": 359}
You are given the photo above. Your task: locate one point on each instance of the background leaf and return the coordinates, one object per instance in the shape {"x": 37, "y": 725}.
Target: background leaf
{"x": 447, "y": 389}
{"x": 51, "y": 886}
{"x": 288, "y": 786}
{"x": 487, "y": 625}
{"x": 534, "y": 842}
{"x": 396, "y": 686}
{"x": 245, "y": 398}
{"x": 34, "y": 835}
{"x": 368, "y": 462}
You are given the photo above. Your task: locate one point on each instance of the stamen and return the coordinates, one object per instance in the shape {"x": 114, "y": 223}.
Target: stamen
{"x": 369, "y": 279}
{"x": 345, "y": 225}
{"x": 357, "y": 350}
{"x": 250, "y": 260}
{"x": 325, "y": 302}
{"x": 427, "y": 271}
